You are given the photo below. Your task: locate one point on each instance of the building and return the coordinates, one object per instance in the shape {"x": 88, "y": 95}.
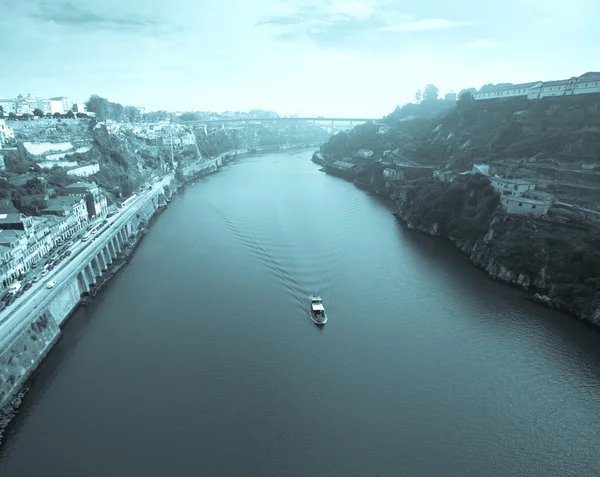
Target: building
{"x": 8, "y": 105}
{"x": 451, "y": 96}
{"x": 515, "y": 187}
{"x": 482, "y": 169}
{"x": 585, "y": 84}
{"x": 13, "y": 248}
{"x": 503, "y": 91}
{"x": 84, "y": 171}
{"x": 16, "y": 222}
{"x": 6, "y": 132}
{"x": 96, "y": 202}
{"x": 79, "y": 107}
{"x": 67, "y": 104}
{"x": 50, "y": 106}
{"x": 68, "y": 206}
{"x": 523, "y": 205}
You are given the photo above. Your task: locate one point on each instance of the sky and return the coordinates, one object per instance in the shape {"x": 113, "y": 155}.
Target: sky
{"x": 343, "y": 58}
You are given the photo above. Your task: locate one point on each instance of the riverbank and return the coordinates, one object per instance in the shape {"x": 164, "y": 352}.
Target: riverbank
{"x": 210, "y": 166}
{"x": 555, "y": 262}
{"x": 20, "y": 360}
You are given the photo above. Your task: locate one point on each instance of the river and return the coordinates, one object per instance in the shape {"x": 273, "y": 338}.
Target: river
{"x": 199, "y": 357}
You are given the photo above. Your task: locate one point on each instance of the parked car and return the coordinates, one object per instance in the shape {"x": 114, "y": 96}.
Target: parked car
{"x": 35, "y": 279}
{"x": 45, "y": 272}
{"x": 28, "y": 285}
{"x": 51, "y": 284}
{"x": 20, "y": 292}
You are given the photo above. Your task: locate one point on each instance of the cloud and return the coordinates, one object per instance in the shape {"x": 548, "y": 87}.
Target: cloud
{"x": 67, "y": 14}
{"x": 481, "y": 44}
{"x": 425, "y": 24}
{"x": 348, "y": 23}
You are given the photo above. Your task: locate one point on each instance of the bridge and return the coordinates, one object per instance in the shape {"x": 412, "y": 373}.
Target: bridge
{"x": 331, "y": 124}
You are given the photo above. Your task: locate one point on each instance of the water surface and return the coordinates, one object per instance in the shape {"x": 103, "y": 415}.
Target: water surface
{"x": 200, "y": 357}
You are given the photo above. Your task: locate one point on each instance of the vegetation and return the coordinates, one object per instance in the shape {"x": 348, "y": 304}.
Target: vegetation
{"x": 560, "y": 260}
{"x": 105, "y": 110}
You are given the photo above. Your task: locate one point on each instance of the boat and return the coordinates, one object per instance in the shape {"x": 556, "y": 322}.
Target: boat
{"x": 317, "y": 310}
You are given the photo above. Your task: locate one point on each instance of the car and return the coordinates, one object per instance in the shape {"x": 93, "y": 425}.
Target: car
{"x": 68, "y": 252}
{"x": 51, "y": 284}
{"x": 45, "y": 272}
{"x": 19, "y": 293}
{"x": 27, "y": 286}
{"x": 35, "y": 279}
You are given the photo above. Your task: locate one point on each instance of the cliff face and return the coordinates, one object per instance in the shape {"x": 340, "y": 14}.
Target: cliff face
{"x": 554, "y": 141}
{"x": 558, "y": 262}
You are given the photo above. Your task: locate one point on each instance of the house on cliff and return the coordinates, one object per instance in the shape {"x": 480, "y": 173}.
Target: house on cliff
{"x": 518, "y": 196}
{"x": 585, "y": 84}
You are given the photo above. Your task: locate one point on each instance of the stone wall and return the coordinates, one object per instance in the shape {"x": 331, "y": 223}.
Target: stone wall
{"x": 65, "y": 301}
{"x": 20, "y": 359}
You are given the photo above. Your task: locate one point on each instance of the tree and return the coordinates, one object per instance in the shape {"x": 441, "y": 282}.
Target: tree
{"x": 132, "y": 113}
{"x": 70, "y": 114}
{"x": 418, "y": 96}
{"x": 431, "y": 93}
{"x": 81, "y": 115}
{"x": 12, "y": 116}
{"x": 48, "y": 115}
{"x": 25, "y": 116}
{"x": 1, "y": 108}
{"x": 38, "y": 112}
{"x": 465, "y": 97}
{"x": 100, "y": 106}
{"x": 57, "y": 115}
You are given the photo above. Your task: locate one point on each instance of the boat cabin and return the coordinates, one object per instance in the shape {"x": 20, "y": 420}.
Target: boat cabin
{"x": 316, "y": 306}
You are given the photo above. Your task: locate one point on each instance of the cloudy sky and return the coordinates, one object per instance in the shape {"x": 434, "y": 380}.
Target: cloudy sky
{"x": 310, "y": 57}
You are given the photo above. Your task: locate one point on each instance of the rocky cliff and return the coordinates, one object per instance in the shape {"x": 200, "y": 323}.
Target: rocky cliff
{"x": 556, "y": 143}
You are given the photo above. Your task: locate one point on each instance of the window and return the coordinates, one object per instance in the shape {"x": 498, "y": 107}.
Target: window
{"x": 533, "y": 206}
{"x": 520, "y": 204}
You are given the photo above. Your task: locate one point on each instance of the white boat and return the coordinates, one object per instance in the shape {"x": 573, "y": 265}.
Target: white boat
{"x": 317, "y": 310}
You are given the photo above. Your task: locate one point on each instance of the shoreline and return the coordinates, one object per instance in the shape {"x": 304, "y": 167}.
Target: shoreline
{"x": 492, "y": 270}
{"x": 11, "y": 408}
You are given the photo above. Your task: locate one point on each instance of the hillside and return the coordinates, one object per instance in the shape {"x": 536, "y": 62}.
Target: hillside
{"x": 554, "y": 142}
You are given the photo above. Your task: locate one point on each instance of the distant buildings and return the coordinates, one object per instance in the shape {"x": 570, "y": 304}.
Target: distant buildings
{"x": 450, "y": 97}
{"x": 584, "y": 84}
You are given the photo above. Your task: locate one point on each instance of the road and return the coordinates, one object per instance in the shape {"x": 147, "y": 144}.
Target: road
{"x": 13, "y": 318}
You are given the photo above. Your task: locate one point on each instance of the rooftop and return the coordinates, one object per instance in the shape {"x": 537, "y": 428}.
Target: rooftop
{"x": 63, "y": 203}
{"x": 10, "y": 236}
{"x": 11, "y": 218}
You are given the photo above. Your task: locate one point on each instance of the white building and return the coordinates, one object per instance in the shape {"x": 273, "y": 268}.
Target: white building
{"x": 584, "y": 84}
{"x": 523, "y": 205}
{"x": 6, "y": 132}
{"x": 84, "y": 171}
{"x": 483, "y": 169}
{"x": 51, "y": 106}
{"x": 511, "y": 187}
